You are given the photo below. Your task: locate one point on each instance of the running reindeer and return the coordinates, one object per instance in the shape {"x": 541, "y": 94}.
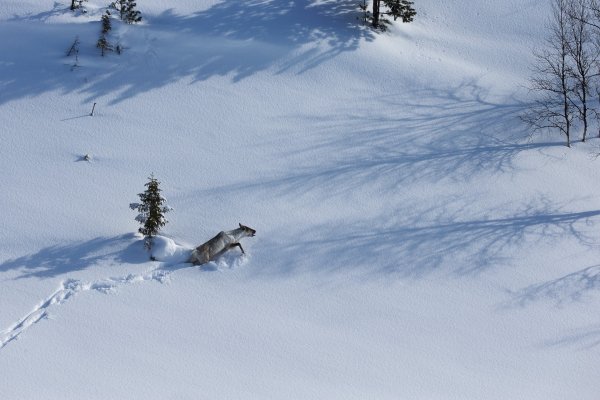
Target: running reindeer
{"x": 220, "y": 244}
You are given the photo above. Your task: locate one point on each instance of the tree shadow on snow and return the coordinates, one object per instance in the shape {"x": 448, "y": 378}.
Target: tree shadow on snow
{"x": 232, "y": 38}
{"x": 566, "y": 289}
{"x": 58, "y": 260}
{"x": 425, "y": 135}
{"x": 569, "y": 288}
{"x": 583, "y": 339}
{"x": 58, "y": 9}
{"x": 446, "y": 243}
{"x": 435, "y": 135}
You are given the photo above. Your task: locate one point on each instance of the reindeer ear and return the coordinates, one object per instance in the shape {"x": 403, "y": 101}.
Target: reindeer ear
{"x": 241, "y": 226}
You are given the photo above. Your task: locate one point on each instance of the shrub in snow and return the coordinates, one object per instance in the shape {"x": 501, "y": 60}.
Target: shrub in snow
{"x": 74, "y": 50}
{"x": 152, "y": 209}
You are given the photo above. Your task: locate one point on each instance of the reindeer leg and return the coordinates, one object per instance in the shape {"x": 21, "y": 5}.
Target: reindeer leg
{"x": 237, "y": 245}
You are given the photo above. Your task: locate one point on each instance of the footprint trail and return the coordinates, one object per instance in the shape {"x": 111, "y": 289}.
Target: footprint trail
{"x": 68, "y": 290}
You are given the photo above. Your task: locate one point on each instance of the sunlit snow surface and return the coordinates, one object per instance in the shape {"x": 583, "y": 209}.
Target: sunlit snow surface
{"x": 413, "y": 242}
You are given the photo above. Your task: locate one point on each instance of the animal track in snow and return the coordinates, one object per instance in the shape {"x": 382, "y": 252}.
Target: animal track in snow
{"x": 69, "y": 289}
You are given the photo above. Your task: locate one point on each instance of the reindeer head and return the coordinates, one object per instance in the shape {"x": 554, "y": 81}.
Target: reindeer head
{"x": 247, "y": 230}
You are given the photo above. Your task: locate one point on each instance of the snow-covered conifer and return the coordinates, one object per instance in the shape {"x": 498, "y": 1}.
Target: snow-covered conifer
{"x": 77, "y": 4}
{"x": 106, "y": 26}
{"x": 152, "y": 209}
{"x": 103, "y": 44}
{"x": 127, "y": 11}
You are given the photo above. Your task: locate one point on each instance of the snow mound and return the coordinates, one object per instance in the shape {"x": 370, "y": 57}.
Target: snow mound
{"x": 228, "y": 261}
{"x": 166, "y": 250}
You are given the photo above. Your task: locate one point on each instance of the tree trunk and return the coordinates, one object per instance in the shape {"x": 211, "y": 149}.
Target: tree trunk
{"x": 584, "y": 117}
{"x": 376, "y": 13}
{"x": 566, "y": 112}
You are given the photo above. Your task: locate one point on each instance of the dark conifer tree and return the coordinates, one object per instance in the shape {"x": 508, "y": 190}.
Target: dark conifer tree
{"x": 119, "y": 5}
{"x": 127, "y": 11}
{"x": 75, "y": 4}
{"x": 106, "y": 26}
{"x": 151, "y": 210}
{"x": 132, "y": 16}
{"x": 103, "y": 44}
{"x": 402, "y": 9}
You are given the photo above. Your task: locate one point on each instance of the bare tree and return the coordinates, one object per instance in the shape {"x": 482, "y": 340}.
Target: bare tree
{"x": 552, "y": 79}
{"x": 593, "y": 21}
{"x": 584, "y": 54}
{"x": 594, "y": 6}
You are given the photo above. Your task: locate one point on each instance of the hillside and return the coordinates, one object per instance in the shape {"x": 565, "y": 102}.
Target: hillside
{"x": 412, "y": 240}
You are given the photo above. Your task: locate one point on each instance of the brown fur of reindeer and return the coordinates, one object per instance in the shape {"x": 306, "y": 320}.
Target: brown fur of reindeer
{"x": 224, "y": 241}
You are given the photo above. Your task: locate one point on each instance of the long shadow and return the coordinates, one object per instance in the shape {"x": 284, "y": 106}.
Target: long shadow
{"x": 58, "y": 9}
{"x": 423, "y": 136}
{"x": 59, "y": 260}
{"x": 72, "y": 118}
{"x": 585, "y": 339}
{"x": 286, "y": 24}
{"x": 232, "y": 38}
{"x": 567, "y": 288}
{"x": 429, "y": 134}
{"x": 416, "y": 249}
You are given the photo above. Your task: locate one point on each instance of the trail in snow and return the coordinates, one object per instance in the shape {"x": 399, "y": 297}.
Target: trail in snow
{"x": 70, "y": 287}
{"x": 68, "y": 290}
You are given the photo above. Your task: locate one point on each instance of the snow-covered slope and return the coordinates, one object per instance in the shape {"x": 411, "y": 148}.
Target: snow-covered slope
{"x": 411, "y": 241}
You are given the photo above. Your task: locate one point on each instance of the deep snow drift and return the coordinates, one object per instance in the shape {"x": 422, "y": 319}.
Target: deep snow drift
{"x": 412, "y": 242}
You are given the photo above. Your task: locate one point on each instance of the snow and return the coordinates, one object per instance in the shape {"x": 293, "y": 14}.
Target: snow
{"x": 166, "y": 250}
{"x": 412, "y": 240}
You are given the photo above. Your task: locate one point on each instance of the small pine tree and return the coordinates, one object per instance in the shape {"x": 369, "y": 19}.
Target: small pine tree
{"x": 132, "y": 16}
{"x": 76, "y": 4}
{"x": 151, "y": 211}
{"x": 103, "y": 45}
{"x": 127, "y": 11}
{"x": 106, "y": 26}
{"x": 119, "y": 5}
{"x": 402, "y": 9}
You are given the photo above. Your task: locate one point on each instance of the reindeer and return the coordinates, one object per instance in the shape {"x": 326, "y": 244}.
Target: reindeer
{"x": 220, "y": 244}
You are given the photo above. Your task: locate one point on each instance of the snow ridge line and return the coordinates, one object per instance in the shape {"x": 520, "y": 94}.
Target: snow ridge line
{"x": 69, "y": 289}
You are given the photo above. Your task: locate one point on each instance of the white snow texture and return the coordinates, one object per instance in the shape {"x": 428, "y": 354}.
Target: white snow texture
{"x": 413, "y": 240}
